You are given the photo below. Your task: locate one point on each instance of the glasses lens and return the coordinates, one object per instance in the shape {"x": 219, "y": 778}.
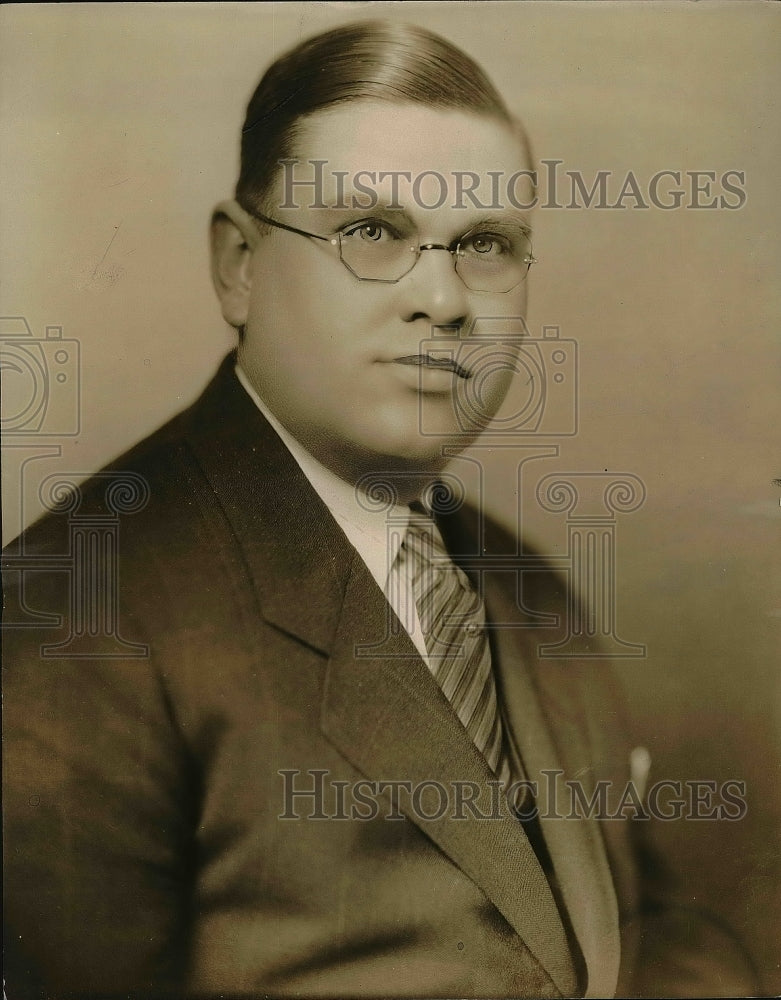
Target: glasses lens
{"x": 494, "y": 261}
{"x": 372, "y": 254}
{"x": 485, "y": 261}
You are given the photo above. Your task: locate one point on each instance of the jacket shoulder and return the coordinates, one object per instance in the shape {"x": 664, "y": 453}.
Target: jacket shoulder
{"x": 153, "y": 481}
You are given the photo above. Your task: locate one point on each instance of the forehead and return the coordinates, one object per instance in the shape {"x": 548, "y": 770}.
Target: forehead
{"x": 366, "y": 138}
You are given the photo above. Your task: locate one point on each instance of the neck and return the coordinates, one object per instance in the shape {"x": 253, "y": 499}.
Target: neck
{"x": 398, "y": 482}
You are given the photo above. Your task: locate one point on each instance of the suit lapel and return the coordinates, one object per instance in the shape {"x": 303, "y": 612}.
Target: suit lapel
{"x": 295, "y": 553}
{"x": 547, "y": 723}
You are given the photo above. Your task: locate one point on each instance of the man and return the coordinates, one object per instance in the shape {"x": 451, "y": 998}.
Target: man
{"x": 253, "y": 808}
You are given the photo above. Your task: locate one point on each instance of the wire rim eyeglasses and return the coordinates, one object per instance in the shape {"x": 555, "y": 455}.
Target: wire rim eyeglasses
{"x": 501, "y": 264}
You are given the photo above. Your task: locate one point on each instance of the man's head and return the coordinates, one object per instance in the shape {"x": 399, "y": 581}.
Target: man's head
{"x": 419, "y": 243}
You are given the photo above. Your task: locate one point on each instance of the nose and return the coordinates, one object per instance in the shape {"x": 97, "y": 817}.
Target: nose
{"x": 433, "y": 291}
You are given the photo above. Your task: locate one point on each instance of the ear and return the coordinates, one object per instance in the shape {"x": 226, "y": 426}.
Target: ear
{"x": 233, "y": 237}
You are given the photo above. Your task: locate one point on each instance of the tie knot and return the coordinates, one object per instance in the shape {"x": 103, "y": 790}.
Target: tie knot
{"x": 423, "y": 539}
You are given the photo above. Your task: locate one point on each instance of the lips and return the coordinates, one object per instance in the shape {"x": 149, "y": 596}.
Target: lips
{"x": 429, "y": 361}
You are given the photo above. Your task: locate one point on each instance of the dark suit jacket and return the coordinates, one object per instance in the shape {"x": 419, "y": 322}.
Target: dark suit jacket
{"x": 144, "y": 850}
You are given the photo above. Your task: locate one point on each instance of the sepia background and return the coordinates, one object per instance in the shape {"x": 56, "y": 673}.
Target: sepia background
{"x": 120, "y": 128}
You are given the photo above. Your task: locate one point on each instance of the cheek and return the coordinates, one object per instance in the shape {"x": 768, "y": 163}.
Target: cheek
{"x": 314, "y": 305}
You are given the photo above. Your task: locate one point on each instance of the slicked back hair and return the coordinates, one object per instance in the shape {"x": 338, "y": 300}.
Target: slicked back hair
{"x": 368, "y": 60}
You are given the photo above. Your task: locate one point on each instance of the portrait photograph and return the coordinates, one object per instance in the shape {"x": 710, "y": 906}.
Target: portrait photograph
{"x": 391, "y": 493}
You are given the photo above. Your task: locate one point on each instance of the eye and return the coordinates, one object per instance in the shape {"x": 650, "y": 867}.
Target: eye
{"x": 486, "y": 244}
{"x": 371, "y": 231}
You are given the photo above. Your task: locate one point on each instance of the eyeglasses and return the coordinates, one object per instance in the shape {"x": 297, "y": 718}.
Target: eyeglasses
{"x": 486, "y": 260}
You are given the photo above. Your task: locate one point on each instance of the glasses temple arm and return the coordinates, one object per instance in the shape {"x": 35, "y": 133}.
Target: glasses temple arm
{"x": 289, "y": 229}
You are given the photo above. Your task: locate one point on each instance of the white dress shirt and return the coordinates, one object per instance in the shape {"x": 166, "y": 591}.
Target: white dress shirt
{"x": 376, "y": 534}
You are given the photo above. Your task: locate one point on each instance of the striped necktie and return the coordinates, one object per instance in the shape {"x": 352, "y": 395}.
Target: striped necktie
{"x": 452, "y": 616}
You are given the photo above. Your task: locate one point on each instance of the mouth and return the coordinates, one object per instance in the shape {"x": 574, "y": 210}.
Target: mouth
{"x": 429, "y": 361}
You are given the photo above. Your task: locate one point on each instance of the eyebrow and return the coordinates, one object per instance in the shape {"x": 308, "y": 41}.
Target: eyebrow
{"x": 357, "y": 212}
{"x": 341, "y": 217}
{"x": 512, "y": 221}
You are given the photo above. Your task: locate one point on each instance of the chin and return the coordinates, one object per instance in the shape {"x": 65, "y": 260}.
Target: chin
{"x": 421, "y": 435}
{"x": 425, "y": 454}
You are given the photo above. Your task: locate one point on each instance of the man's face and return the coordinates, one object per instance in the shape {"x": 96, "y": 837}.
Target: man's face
{"x": 342, "y": 362}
